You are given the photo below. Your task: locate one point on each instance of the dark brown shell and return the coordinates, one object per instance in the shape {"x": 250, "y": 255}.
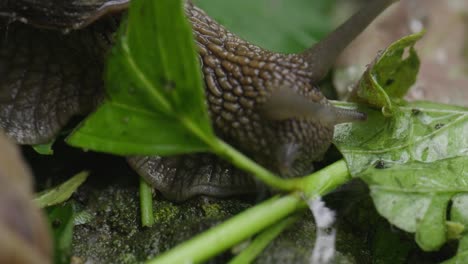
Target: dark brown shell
{"x": 60, "y": 14}
{"x": 48, "y": 77}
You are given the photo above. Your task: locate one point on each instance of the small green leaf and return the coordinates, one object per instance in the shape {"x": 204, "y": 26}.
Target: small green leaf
{"x": 61, "y": 221}
{"x": 62, "y": 192}
{"x": 454, "y": 230}
{"x": 391, "y": 74}
{"x": 45, "y": 149}
{"x": 156, "y": 102}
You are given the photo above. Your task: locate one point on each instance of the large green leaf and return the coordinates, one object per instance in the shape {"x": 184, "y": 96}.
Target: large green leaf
{"x": 155, "y": 101}
{"x": 414, "y": 158}
{"x": 413, "y": 162}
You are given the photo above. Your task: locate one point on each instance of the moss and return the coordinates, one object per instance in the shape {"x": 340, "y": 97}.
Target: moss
{"x": 126, "y": 258}
{"x": 114, "y": 234}
{"x": 106, "y": 237}
{"x": 165, "y": 212}
{"x": 212, "y": 210}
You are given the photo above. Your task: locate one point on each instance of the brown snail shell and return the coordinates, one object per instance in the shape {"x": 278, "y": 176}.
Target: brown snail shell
{"x": 58, "y": 14}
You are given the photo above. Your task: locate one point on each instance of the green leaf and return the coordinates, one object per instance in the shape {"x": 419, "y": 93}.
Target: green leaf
{"x": 156, "y": 102}
{"x": 62, "y": 192}
{"x": 44, "y": 149}
{"x": 283, "y": 25}
{"x": 391, "y": 74}
{"x": 134, "y": 131}
{"x": 61, "y": 221}
{"x": 413, "y": 162}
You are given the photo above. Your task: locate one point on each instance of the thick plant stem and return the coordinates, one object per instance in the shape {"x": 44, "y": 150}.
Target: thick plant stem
{"x": 325, "y": 180}
{"x": 241, "y": 161}
{"x": 146, "y": 204}
{"x": 232, "y": 231}
{"x": 253, "y": 220}
{"x": 262, "y": 241}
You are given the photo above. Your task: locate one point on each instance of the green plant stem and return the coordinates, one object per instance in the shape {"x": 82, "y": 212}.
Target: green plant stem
{"x": 261, "y": 241}
{"x": 241, "y": 161}
{"x": 146, "y": 203}
{"x": 232, "y": 231}
{"x": 325, "y": 180}
{"x": 255, "y": 219}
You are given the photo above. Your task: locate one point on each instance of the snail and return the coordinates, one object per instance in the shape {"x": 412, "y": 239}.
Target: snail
{"x": 266, "y": 104}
